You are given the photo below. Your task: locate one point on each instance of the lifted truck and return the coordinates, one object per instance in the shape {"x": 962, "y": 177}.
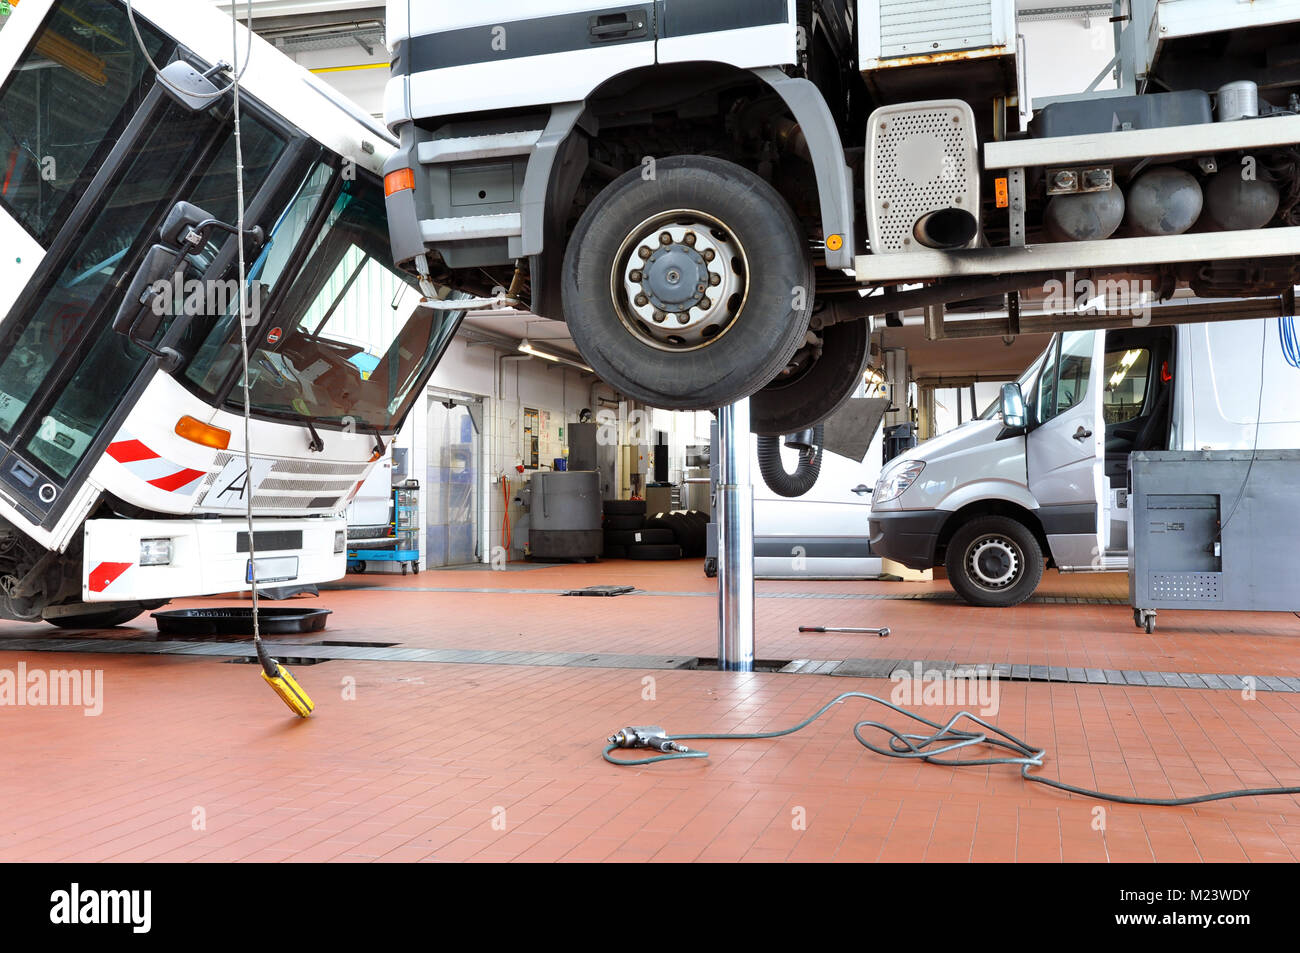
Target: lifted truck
{"x": 716, "y": 195}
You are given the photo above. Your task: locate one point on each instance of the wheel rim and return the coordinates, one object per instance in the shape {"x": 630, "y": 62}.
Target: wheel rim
{"x": 679, "y": 280}
{"x": 994, "y": 563}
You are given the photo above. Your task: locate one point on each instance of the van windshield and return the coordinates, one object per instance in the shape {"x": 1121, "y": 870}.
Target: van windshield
{"x": 1026, "y": 382}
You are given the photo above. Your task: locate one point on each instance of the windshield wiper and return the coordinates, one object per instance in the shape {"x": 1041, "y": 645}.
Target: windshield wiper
{"x": 316, "y": 444}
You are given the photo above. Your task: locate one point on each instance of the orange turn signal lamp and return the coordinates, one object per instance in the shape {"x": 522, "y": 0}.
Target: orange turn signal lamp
{"x": 401, "y": 180}
{"x": 196, "y": 431}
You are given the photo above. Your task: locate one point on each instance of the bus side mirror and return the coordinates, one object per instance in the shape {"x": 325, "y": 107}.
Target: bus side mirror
{"x": 149, "y": 298}
{"x": 1013, "y": 406}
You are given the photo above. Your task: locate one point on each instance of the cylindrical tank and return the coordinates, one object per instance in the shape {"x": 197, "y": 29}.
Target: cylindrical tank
{"x": 1085, "y": 216}
{"x": 1239, "y": 100}
{"x": 1164, "y": 201}
{"x": 1236, "y": 203}
{"x": 564, "y": 515}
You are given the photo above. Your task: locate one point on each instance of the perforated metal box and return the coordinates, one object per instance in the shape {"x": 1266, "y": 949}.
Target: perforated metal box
{"x": 923, "y": 157}
{"x": 1212, "y": 530}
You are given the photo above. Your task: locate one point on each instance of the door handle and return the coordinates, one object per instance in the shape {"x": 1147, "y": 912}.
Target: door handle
{"x": 615, "y": 26}
{"x": 861, "y": 489}
{"x": 1082, "y": 434}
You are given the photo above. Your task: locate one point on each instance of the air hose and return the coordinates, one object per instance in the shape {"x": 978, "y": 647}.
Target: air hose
{"x": 945, "y": 738}
{"x": 778, "y": 479}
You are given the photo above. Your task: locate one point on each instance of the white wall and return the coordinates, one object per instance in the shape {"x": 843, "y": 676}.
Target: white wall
{"x": 1063, "y": 56}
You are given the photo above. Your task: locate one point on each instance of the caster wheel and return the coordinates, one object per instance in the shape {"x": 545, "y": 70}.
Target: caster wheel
{"x": 1150, "y": 624}
{"x": 1137, "y": 618}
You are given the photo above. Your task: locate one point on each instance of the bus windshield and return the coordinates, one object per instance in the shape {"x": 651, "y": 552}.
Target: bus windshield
{"x": 344, "y": 341}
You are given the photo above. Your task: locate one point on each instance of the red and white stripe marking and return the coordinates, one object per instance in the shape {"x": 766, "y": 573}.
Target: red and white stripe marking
{"x": 152, "y": 467}
{"x": 105, "y": 574}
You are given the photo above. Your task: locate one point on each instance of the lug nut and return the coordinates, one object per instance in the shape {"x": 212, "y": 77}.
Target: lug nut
{"x": 659, "y": 316}
{"x": 714, "y": 280}
{"x": 665, "y": 239}
{"x": 706, "y": 304}
{"x": 644, "y": 252}
{"x": 683, "y": 318}
{"x": 642, "y": 301}
{"x": 636, "y": 277}
{"x": 690, "y": 239}
{"x": 710, "y": 254}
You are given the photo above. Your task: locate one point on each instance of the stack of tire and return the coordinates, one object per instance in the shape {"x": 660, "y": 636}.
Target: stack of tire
{"x": 627, "y": 535}
{"x": 689, "y": 529}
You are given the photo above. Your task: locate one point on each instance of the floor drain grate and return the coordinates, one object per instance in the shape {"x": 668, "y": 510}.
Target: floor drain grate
{"x": 602, "y": 591}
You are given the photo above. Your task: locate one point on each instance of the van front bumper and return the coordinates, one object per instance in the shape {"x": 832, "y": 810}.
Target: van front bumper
{"x": 907, "y": 536}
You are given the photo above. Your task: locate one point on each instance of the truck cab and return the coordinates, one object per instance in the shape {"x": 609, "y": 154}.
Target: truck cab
{"x": 1040, "y": 479}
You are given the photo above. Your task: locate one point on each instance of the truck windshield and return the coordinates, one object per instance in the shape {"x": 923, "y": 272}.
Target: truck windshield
{"x": 344, "y": 341}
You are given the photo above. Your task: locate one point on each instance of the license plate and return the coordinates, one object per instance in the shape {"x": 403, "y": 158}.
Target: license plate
{"x": 273, "y": 569}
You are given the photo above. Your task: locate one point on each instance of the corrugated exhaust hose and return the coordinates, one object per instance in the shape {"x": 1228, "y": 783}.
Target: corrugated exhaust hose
{"x": 775, "y": 475}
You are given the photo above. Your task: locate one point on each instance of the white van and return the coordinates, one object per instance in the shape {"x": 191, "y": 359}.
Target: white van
{"x": 1041, "y": 478}
{"x": 822, "y": 534}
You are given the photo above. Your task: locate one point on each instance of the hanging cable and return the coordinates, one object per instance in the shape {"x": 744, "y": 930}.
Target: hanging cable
{"x": 275, "y": 675}
{"x": 238, "y": 73}
{"x": 1254, "y": 450}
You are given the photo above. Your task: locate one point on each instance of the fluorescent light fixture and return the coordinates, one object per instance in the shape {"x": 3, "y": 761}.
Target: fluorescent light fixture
{"x": 526, "y": 348}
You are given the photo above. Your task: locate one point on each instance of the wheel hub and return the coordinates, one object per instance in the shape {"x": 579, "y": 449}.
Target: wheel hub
{"x": 994, "y": 562}
{"x": 680, "y": 280}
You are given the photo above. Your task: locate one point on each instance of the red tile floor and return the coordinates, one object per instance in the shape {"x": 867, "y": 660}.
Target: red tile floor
{"x": 193, "y": 759}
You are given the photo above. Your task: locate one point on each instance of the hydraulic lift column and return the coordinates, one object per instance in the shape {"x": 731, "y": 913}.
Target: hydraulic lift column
{"x": 735, "y": 519}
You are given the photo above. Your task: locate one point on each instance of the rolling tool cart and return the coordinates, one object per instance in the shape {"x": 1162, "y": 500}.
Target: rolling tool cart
{"x": 402, "y": 544}
{"x": 1213, "y": 530}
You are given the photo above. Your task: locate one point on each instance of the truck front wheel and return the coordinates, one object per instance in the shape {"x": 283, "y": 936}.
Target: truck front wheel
{"x": 994, "y": 561}
{"x": 688, "y": 286}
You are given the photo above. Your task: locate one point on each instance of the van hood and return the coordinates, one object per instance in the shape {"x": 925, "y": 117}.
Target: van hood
{"x": 972, "y": 434}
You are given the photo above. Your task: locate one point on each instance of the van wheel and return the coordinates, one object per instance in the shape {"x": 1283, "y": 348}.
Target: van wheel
{"x": 691, "y": 289}
{"x": 994, "y": 561}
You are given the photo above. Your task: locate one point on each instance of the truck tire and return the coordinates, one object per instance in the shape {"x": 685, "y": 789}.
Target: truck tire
{"x": 994, "y": 561}
{"x": 705, "y": 240}
{"x": 814, "y": 385}
{"x": 97, "y": 620}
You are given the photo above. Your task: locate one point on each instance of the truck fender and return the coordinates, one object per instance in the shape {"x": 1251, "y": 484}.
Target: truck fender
{"x": 834, "y": 179}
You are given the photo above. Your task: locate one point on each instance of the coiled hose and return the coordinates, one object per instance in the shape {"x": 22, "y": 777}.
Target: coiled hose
{"x": 928, "y": 747}
{"x": 775, "y": 475}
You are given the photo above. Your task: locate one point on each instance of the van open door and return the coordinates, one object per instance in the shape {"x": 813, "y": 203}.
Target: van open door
{"x": 1065, "y": 451}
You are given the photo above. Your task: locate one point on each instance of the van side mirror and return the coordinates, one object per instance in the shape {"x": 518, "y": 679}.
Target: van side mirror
{"x": 1013, "y": 406}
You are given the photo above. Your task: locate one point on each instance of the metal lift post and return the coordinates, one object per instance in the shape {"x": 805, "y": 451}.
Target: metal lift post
{"x": 735, "y": 518}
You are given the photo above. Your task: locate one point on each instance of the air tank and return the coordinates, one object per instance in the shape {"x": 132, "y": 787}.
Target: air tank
{"x": 1164, "y": 201}
{"x": 1084, "y": 216}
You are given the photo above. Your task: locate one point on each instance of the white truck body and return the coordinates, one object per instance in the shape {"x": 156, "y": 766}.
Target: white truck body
{"x": 822, "y": 534}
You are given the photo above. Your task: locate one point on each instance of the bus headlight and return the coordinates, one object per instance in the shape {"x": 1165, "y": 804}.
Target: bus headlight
{"x": 896, "y": 480}
{"x": 340, "y": 541}
{"x": 155, "y": 552}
